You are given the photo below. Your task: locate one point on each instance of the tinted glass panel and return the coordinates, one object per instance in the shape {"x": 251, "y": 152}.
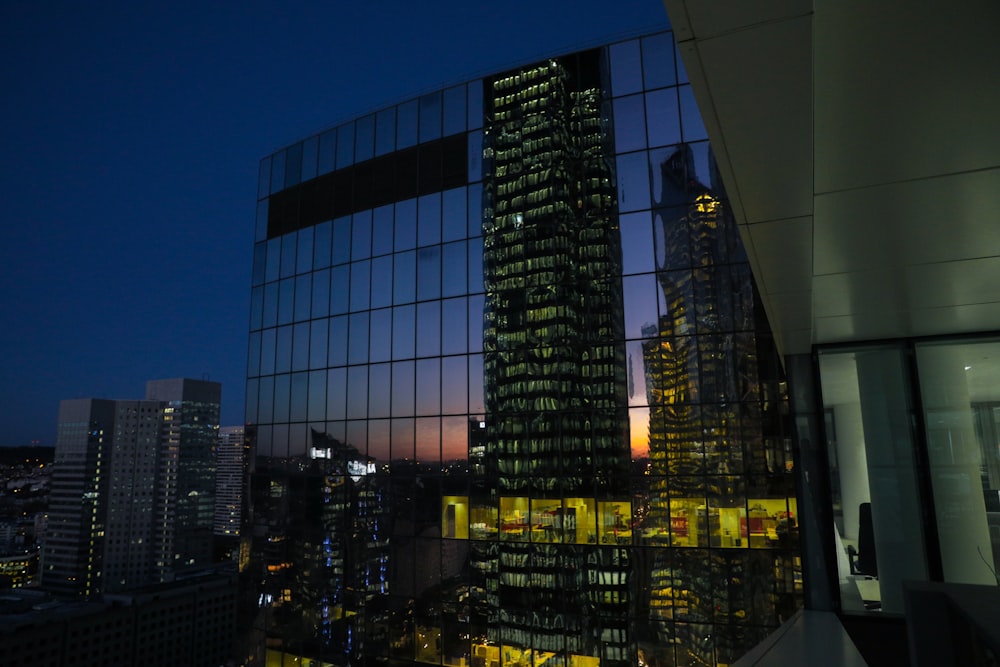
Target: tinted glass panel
{"x": 430, "y": 117}
{"x": 406, "y": 125}
{"x": 658, "y": 61}
{"x": 365, "y": 141}
{"x": 626, "y": 68}
{"x": 385, "y": 131}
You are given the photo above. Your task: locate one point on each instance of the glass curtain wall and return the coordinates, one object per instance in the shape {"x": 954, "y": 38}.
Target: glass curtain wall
{"x": 514, "y": 396}
{"x": 900, "y": 515}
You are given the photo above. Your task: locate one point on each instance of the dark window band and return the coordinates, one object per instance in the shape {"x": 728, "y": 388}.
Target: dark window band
{"x": 430, "y": 167}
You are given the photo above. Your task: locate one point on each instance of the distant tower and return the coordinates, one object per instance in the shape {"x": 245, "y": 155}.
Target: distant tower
{"x": 133, "y": 490}
{"x": 230, "y": 461}
{"x": 73, "y": 553}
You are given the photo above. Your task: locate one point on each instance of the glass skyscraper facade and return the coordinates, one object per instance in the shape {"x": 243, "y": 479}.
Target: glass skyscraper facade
{"x": 515, "y": 399}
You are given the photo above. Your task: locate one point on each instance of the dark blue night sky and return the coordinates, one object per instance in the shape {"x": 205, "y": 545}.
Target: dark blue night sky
{"x": 131, "y": 133}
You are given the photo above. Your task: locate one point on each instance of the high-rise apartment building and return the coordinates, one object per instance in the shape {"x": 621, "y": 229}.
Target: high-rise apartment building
{"x": 133, "y": 489}
{"x": 514, "y": 396}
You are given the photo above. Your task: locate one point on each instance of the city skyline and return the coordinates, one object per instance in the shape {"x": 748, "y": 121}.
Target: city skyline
{"x": 131, "y": 152}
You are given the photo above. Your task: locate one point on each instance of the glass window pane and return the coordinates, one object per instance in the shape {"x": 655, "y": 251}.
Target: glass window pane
{"x": 404, "y": 332}
{"x": 475, "y": 323}
{"x": 626, "y": 68}
{"x": 267, "y": 350}
{"x": 402, "y": 438}
{"x": 475, "y": 104}
{"x": 682, "y": 76}
{"x": 253, "y": 355}
{"x": 339, "y": 285}
{"x": 360, "y": 285}
{"x": 381, "y": 281}
{"x": 264, "y": 178}
{"x": 385, "y": 131}
{"x": 633, "y": 182}
{"x": 260, "y": 227}
{"x": 327, "y": 152}
{"x": 874, "y": 488}
{"x": 365, "y": 141}
{"x": 406, "y": 125}
{"x": 270, "y": 317}
{"x": 338, "y": 341}
{"x": 265, "y": 408}
{"x": 322, "y": 244}
{"x": 336, "y": 394}
{"x": 404, "y": 277}
{"x": 286, "y": 300}
{"x": 318, "y": 340}
{"x": 381, "y": 335}
{"x": 378, "y": 441}
{"x": 454, "y": 110}
{"x": 663, "y": 117}
{"x": 303, "y": 296}
{"x": 454, "y": 385}
{"x": 693, "y": 128}
{"x": 256, "y": 307}
{"x": 641, "y": 312}
{"x": 637, "y": 243}
{"x": 430, "y": 117}
{"x": 277, "y": 172}
{"x": 453, "y": 214}
{"x": 428, "y": 444}
{"x": 289, "y": 244}
{"x": 309, "y": 151}
{"x": 259, "y": 263}
{"x": 454, "y": 439}
{"x": 382, "y": 220}
{"x": 429, "y": 273}
{"x": 454, "y": 269}
{"x": 273, "y": 271}
{"x": 429, "y": 328}
{"x": 454, "y": 314}
{"x": 299, "y": 397}
{"x": 300, "y": 346}
{"x": 321, "y": 293}
{"x": 475, "y": 156}
{"x": 406, "y": 225}
{"x": 345, "y": 145}
{"x": 476, "y": 209}
{"x": 253, "y": 392}
{"x": 403, "y": 383}
{"x": 379, "y": 382}
{"x": 429, "y": 219}
{"x": 630, "y": 123}
{"x": 357, "y": 392}
{"x": 658, "y": 61}
{"x": 341, "y": 240}
{"x": 428, "y": 386}
{"x": 358, "y": 339}
{"x": 317, "y": 396}
{"x": 476, "y": 402}
{"x": 283, "y": 351}
{"x": 476, "y": 285}
{"x": 361, "y": 238}
{"x": 282, "y": 396}
{"x": 958, "y": 383}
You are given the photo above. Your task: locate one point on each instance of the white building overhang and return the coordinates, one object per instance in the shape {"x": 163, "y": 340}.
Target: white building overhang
{"x": 860, "y": 147}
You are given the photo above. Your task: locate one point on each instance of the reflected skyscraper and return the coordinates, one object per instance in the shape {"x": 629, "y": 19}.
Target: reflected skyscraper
{"x": 557, "y": 431}
{"x": 505, "y": 373}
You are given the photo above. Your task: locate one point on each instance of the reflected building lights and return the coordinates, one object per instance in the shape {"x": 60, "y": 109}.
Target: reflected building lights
{"x": 490, "y": 431}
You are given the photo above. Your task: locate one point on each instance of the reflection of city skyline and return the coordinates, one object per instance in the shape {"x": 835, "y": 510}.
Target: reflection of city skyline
{"x": 485, "y": 398}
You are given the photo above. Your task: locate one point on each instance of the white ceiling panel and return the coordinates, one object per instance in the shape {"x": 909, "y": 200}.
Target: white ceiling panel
{"x": 758, "y": 83}
{"x": 942, "y": 219}
{"x": 912, "y": 94}
{"x": 783, "y": 250}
